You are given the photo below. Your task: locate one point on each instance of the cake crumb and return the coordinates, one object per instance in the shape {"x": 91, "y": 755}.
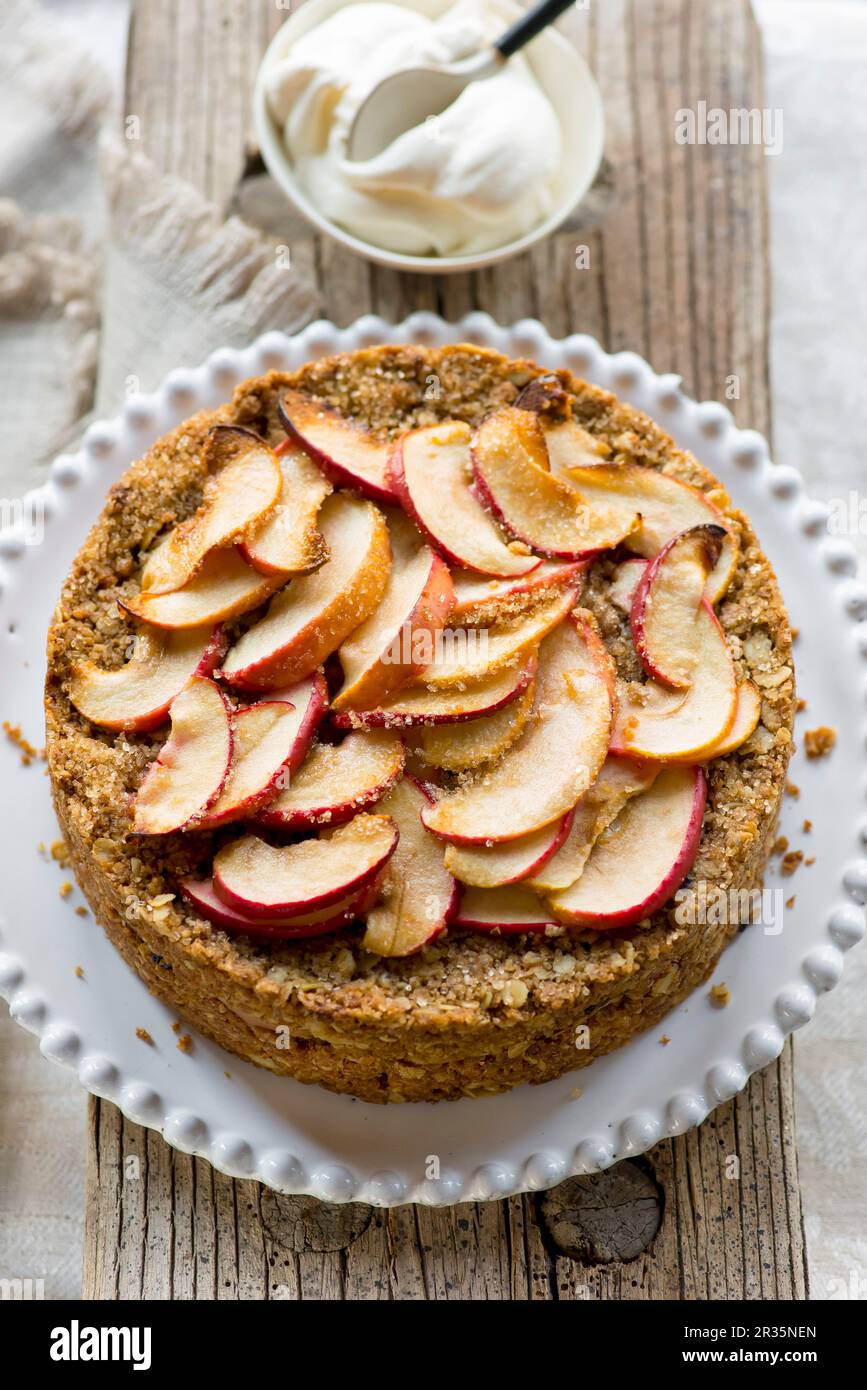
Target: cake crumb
{"x": 65, "y": 889}
{"x": 800, "y": 706}
{"x": 576, "y": 1093}
{"x": 145, "y": 1036}
{"x": 79, "y": 973}
{"x": 719, "y": 996}
{"x": 819, "y": 742}
{"x": 228, "y": 1075}
{"x": 60, "y": 853}
{"x": 790, "y": 862}
{"x": 808, "y": 863}
{"x": 185, "y": 1043}
{"x": 81, "y": 911}
{"x": 177, "y": 1026}
{"x": 792, "y": 790}
{"x": 790, "y": 902}
{"x": 807, "y": 827}
{"x": 780, "y": 845}
{"x": 26, "y": 749}
{"x": 664, "y": 1040}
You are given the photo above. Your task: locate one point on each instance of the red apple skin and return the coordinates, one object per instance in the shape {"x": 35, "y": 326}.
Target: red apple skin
{"x": 429, "y": 614}
{"x": 193, "y": 822}
{"x": 507, "y": 928}
{"x": 211, "y": 657}
{"x": 639, "y": 607}
{"x": 200, "y": 892}
{"x": 559, "y": 832}
{"x": 338, "y": 814}
{"x": 568, "y": 574}
{"x": 626, "y": 751}
{"x": 397, "y": 479}
{"x": 673, "y": 879}
{"x": 383, "y": 719}
{"x": 297, "y": 909}
{"x": 551, "y": 849}
{"x": 339, "y": 473}
{"x": 248, "y": 807}
{"x": 317, "y": 706}
{"x": 489, "y": 502}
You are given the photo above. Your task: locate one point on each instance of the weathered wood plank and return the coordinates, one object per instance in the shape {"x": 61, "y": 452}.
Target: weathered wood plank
{"x": 677, "y": 270}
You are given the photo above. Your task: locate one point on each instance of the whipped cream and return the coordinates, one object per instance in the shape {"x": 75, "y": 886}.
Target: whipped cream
{"x": 471, "y": 179}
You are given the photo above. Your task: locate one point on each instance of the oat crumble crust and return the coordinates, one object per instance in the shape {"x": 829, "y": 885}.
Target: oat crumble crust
{"x": 472, "y": 1013}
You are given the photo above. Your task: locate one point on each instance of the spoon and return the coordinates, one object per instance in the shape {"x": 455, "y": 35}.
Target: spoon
{"x": 406, "y": 99}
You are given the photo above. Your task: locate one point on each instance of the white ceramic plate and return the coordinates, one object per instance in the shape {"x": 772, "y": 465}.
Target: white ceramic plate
{"x": 302, "y": 1139}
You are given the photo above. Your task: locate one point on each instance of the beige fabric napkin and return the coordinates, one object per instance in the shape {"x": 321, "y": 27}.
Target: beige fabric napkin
{"x": 179, "y": 281}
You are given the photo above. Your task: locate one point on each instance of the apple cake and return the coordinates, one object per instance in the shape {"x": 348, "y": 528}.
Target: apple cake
{"x": 403, "y": 712}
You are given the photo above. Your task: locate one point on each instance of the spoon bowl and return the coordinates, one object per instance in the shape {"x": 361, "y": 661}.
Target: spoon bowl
{"x": 411, "y": 97}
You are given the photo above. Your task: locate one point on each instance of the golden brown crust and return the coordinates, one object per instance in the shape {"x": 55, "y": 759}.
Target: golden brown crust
{"x": 472, "y": 1013}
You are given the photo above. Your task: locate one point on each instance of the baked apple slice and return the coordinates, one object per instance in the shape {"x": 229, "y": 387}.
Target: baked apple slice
{"x": 494, "y": 865}
{"x": 417, "y": 705}
{"x": 318, "y": 611}
{"x": 336, "y": 781}
{"x": 627, "y": 578}
{"x": 535, "y": 506}
{"x": 472, "y": 654}
{"x": 481, "y": 601}
{"x": 223, "y": 587}
{"x": 418, "y": 894}
{"x": 346, "y": 453}
{"x": 263, "y": 736}
{"x": 137, "y": 696}
{"x": 568, "y": 445}
{"x": 508, "y": 910}
{"x": 555, "y": 760}
{"x": 267, "y": 881}
{"x": 243, "y": 487}
{"x": 397, "y": 641}
{"x": 640, "y": 861}
{"x": 671, "y": 725}
{"x": 309, "y": 698}
{"x": 666, "y": 602}
{"x": 667, "y": 507}
{"x": 200, "y": 892}
{"x": 270, "y": 741}
{"x": 289, "y": 541}
{"x": 191, "y": 767}
{"x": 461, "y": 747}
{"x": 431, "y": 472}
{"x": 747, "y": 715}
{"x": 620, "y": 779}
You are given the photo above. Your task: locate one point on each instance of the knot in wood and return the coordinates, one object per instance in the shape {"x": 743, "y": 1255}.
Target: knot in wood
{"x": 604, "y": 1217}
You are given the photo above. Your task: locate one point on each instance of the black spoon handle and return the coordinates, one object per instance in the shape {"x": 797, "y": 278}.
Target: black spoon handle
{"x": 530, "y": 24}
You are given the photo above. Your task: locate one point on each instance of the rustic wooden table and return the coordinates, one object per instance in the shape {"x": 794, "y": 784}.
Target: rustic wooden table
{"x": 675, "y": 268}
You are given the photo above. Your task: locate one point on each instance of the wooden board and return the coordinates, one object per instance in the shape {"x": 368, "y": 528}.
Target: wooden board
{"x": 677, "y": 250}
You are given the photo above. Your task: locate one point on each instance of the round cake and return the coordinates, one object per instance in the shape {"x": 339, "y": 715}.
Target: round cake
{"x": 404, "y": 715}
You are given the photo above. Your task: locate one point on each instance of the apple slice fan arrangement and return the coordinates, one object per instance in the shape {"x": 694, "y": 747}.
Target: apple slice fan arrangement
{"x": 414, "y": 727}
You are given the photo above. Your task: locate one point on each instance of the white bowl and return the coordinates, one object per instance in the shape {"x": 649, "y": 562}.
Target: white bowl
{"x": 561, "y": 72}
